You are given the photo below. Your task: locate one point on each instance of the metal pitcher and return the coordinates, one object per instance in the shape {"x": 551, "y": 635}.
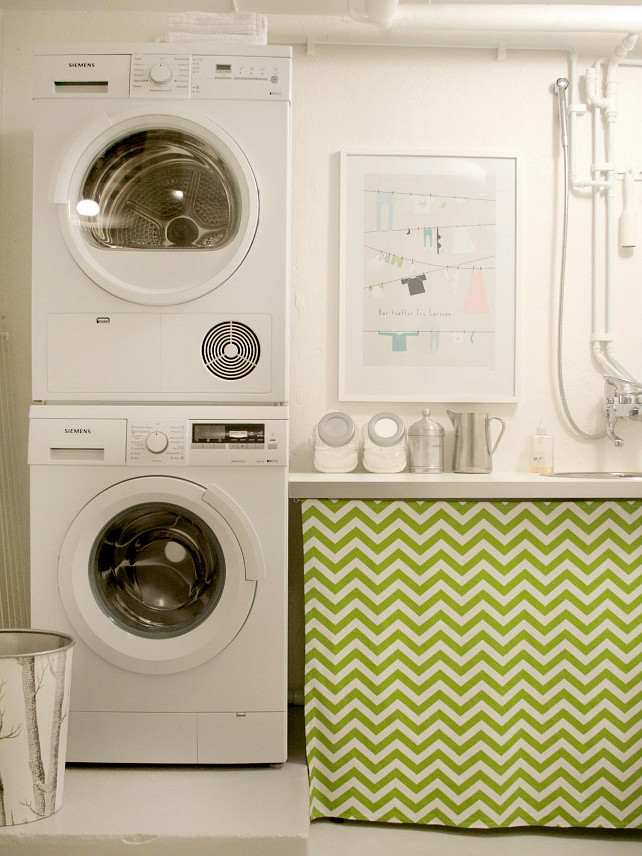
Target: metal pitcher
{"x": 473, "y": 451}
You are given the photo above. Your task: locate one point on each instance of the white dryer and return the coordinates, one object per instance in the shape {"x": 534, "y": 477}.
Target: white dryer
{"x": 161, "y": 223}
{"x": 159, "y": 542}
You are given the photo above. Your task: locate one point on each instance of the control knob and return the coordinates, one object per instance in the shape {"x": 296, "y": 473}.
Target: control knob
{"x": 160, "y": 74}
{"x": 156, "y": 442}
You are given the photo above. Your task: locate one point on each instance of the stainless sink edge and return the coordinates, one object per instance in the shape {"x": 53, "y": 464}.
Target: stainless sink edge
{"x": 594, "y": 475}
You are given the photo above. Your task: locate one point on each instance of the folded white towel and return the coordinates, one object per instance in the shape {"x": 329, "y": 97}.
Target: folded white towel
{"x": 247, "y": 27}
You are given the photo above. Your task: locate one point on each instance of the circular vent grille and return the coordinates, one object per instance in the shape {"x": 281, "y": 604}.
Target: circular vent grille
{"x": 231, "y": 350}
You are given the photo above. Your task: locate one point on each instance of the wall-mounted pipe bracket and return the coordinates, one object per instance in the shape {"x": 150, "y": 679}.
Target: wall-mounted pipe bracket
{"x": 602, "y": 167}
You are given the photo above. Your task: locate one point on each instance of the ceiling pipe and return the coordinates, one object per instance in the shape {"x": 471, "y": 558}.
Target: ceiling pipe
{"x": 498, "y": 18}
{"x": 378, "y": 12}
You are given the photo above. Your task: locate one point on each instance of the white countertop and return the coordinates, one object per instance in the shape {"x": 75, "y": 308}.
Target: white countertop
{"x": 458, "y": 486}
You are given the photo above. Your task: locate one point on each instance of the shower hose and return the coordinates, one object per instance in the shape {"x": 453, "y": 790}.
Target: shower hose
{"x": 560, "y": 311}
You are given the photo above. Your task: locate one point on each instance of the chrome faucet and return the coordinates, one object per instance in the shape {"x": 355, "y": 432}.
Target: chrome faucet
{"x": 622, "y": 400}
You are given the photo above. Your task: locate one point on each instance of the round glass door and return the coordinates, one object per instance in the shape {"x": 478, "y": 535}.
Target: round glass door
{"x": 157, "y": 570}
{"x": 160, "y": 189}
{"x": 158, "y": 574}
{"x": 159, "y": 209}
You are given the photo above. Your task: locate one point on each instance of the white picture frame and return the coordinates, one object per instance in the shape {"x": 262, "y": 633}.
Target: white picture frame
{"x": 429, "y": 296}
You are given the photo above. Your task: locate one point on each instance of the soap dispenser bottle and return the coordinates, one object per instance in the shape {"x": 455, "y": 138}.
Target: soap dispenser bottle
{"x": 541, "y": 451}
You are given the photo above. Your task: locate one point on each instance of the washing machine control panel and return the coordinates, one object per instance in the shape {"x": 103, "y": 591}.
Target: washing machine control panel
{"x": 207, "y": 442}
{"x": 162, "y": 441}
{"x": 214, "y": 442}
{"x": 199, "y": 76}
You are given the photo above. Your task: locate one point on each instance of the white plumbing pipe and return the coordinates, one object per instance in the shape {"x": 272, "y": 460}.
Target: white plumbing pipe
{"x": 611, "y": 115}
{"x": 601, "y": 337}
{"x": 603, "y": 341}
{"x": 377, "y": 12}
{"x": 575, "y": 109}
{"x": 516, "y": 17}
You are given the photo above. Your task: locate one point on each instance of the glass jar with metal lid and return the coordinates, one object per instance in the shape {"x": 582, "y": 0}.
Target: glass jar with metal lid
{"x": 426, "y": 445}
{"x": 336, "y": 445}
{"x": 385, "y": 445}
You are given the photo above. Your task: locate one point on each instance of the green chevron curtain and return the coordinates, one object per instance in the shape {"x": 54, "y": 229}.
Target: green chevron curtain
{"x": 474, "y": 664}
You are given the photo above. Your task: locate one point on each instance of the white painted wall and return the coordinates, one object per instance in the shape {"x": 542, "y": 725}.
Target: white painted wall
{"x": 396, "y": 99}
{"x": 462, "y": 101}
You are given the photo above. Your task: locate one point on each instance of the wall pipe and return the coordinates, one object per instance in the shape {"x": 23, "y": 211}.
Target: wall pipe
{"x": 499, "y": 18}
{"x": 602, "y": 339}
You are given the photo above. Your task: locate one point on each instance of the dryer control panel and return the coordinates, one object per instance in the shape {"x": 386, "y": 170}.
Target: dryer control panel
{"x": 208, "y": 76}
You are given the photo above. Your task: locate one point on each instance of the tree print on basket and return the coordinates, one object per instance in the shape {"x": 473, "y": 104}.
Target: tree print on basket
{"x": 34, "y": 707}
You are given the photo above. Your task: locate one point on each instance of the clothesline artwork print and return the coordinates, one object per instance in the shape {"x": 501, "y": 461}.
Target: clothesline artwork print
{"x": 429, "y": 297}
{"x": 429, "y": 252}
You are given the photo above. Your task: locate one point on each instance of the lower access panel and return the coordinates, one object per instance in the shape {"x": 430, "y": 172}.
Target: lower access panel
{"x": 132, "y": 738}
{"x": 474, "y": 664}
{"x": 242, "y": 738}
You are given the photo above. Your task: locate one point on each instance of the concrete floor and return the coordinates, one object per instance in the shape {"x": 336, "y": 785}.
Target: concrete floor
{"x": 245, "y": 811}
{"x": 362, "y": 839}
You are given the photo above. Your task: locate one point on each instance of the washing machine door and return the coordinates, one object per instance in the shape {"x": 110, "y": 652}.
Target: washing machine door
{"x": 157, "y": 208}
{"x": 158, "y": 574}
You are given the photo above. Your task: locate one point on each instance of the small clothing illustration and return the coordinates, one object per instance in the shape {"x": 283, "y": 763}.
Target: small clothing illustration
{"x": 422, "y": 204}
{"x": 451, "y": 277}
{"x": 415, "y": 284}
{"x": 398, "y": 339}
{"x": 487, "y": 240}
{"x": 434, "y": 340}
{"x": 385, "y": 200}
{"x": 475, "y": 301}
{"x": 462, "y": 242}
{"x": 376, "y": 291}
{"x": 428, "y": 235}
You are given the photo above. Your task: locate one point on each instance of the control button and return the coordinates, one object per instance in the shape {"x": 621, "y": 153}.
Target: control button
{"x": 275, "y": 78}
{"x": 160, "y": 74}
{"x": 156, "y": 442}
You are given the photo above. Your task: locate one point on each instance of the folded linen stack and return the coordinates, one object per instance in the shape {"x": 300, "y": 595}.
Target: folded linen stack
{"x": 241, "y": 27}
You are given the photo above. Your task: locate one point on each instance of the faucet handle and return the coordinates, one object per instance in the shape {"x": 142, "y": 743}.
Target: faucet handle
{"x": 611, "y": 416}
{"x": 622, "y": 385}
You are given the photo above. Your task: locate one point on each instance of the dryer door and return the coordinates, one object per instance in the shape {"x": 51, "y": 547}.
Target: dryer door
{"x": 158, "y": 574}
{"x": 157, "y": 209}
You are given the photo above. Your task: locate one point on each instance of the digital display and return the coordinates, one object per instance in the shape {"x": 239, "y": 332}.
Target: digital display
{"x": 228, "y": 434}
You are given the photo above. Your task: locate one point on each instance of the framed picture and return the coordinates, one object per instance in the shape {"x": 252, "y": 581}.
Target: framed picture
{"x": 428, "y": 278}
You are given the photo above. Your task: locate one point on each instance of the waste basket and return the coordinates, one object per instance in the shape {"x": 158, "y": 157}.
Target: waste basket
{"x": 35, "y": 679}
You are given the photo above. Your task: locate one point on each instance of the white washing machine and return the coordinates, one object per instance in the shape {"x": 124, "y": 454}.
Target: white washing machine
{"x": 161, "y": 223}
{"x": 159, "y": 542}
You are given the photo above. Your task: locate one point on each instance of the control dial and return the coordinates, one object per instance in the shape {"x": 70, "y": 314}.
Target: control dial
{"x": 160, "y": 74}
{"x": 156, "y": 442}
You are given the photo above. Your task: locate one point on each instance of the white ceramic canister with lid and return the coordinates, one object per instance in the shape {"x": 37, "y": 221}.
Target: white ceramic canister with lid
{"x": 336, "y": 445}
{"x": 385, "y": 445}
{"x": 426, "y": 445}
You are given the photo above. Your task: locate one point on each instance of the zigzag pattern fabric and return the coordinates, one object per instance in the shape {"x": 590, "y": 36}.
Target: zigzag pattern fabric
{"x": 474, "y": 664}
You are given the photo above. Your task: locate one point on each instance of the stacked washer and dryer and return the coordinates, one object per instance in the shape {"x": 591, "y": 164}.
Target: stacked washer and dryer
{"x": 159, "y": 438}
